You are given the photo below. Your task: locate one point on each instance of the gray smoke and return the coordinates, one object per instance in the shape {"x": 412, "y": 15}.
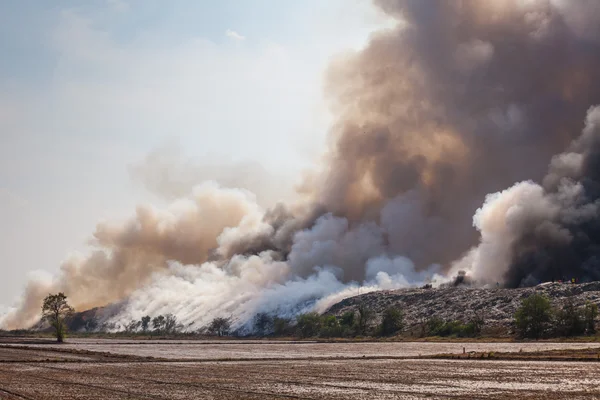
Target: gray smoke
{"x": 461, "y": 99}
{"x": 533, "y": 233}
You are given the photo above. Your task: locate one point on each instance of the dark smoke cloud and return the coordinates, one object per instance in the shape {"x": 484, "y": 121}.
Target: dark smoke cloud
{"x": 533, "y": 233}
{"x": 461, "y": 99}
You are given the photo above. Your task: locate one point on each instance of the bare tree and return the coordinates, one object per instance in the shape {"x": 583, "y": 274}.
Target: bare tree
{"x": 56, "y": 310}
{"x": 170, "y": 323}
{"x": 158, "y": 323}
{"x": 220, "y": 326}
{"x": 145, "y": 322}
{"x": 132, "y": 326}
{"x": 263, "y": 324}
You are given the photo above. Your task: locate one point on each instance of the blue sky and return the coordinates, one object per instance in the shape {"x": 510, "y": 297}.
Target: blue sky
{"x": 88, "y": 89}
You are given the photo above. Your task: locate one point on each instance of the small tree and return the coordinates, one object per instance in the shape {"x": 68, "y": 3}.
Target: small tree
{"x": 348, "y": 323}
{"x": 309, "y": 324}
{"x": 263, "y": 324}
{"x": 347, "y": 319}
{"x": 570, "y": 320}
{"x": 158, "y": 323}
{"x": 533, "y": 317}
{"x": 281, "y": 326}
{"x": 365, "y": 316}
{"x": 330, "y": 327}
{"x": 132, "y": 326}
{"x": 392, "y": 321}
{"x": 145, "y": 322}
{"x": 170, "y": 324}
{"x": 590, "y": 314}
{"x": 56, "y": 310}
{"x": 220, "y": 326}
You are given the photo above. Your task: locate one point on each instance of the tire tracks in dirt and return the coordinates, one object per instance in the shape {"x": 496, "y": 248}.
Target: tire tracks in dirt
{"x": 15, "y": 394}
{"x": 185, "y": 384}
{"x": 85, "y": 385}
{"x": 275, "y": 381}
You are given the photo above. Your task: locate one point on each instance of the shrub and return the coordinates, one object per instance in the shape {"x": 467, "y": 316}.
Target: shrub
{"x": 347, "y": 319}
{"x": 392, "y": 321}
{"x": 263, "y": 324}
{"x": 330, "y": 327}
{"x": 170, "y": 324}
{"x": 308, "y": 325}
{"x": 365, "y": 316}
{"x": 281, "y": 326}
{"x": 145, "y": 323}
{"x": 439, "y": 327}
{"x": 158, "y": 323}
{"x": 533, "y": 317}
{"x": 132, "y": 326}
{"x": 569, "y": 320}
{"x": 590, "y": 314}
{"x": 220, "y": 326}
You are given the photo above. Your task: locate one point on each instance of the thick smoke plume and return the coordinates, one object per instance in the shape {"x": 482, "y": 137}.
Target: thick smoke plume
{"x": 532, "y": 233}
{"x": 460, "y": 99}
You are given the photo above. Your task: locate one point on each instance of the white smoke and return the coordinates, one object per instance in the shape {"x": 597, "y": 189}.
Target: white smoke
{"x": 160, "y": 261}
{"x": 255, "y": 284}
{"x": 311, "y": 279}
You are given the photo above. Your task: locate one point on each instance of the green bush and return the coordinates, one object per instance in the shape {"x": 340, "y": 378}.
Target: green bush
{"x": 365, "y": 316}
{"x": 534, "y": 316}
{"x": 263, "y": 324}
{"x": 281, "y": 326}
{"x": 569, "y": 320}
{"x": 590, "y": 313}
{"x": 347, "y": 319}
{"x": 439, "y": 327}
{"x": 330, "y": 327}
{"x": 308, "y": 325}
{"x": 392, "y": 321}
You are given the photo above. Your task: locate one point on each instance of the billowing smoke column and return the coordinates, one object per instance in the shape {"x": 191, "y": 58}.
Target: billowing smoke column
{"x": 532, "y": 233}
{"x": 460, "y": 99}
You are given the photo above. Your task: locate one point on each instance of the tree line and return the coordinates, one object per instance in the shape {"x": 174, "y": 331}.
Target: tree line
{"x": 535, "y": 318}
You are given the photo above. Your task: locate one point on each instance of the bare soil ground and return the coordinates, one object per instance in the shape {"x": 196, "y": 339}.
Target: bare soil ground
{"x": 52, "y": 372}
{"x": 264, "y": 349}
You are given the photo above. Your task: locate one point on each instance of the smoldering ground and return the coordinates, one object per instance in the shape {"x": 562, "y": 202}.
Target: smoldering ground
{"x": 458, "y": 100}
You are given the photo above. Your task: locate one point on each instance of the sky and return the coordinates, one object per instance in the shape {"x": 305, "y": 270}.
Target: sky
{"x": 97, "y": 98}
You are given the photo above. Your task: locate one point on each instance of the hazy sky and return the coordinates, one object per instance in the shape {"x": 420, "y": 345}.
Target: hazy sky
{"x": 88, "y": 91}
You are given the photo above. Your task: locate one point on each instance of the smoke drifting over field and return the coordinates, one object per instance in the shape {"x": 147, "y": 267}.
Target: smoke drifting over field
{"x": 460, "y": 99}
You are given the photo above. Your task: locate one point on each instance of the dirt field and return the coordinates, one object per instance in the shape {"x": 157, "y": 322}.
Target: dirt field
{"x": 252, "y": 349}
{"x": 40, "y": 372}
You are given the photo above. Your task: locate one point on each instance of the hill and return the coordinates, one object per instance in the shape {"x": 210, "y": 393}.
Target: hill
{"x": 496, "y": 305}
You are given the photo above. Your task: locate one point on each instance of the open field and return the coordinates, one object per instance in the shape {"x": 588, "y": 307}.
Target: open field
{"x": 265, "y": 370}
{"x": 263, "y": 349}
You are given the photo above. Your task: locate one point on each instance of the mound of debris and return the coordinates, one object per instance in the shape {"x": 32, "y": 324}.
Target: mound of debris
{"x": 496, "y": 305}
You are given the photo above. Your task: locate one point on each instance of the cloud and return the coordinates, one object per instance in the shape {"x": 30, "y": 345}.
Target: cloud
{"x": 234, "y": 35}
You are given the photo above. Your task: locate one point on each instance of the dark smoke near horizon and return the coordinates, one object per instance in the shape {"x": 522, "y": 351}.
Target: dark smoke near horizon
{"x": 535, "y": 233}
{"x": 461, "y": 99}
